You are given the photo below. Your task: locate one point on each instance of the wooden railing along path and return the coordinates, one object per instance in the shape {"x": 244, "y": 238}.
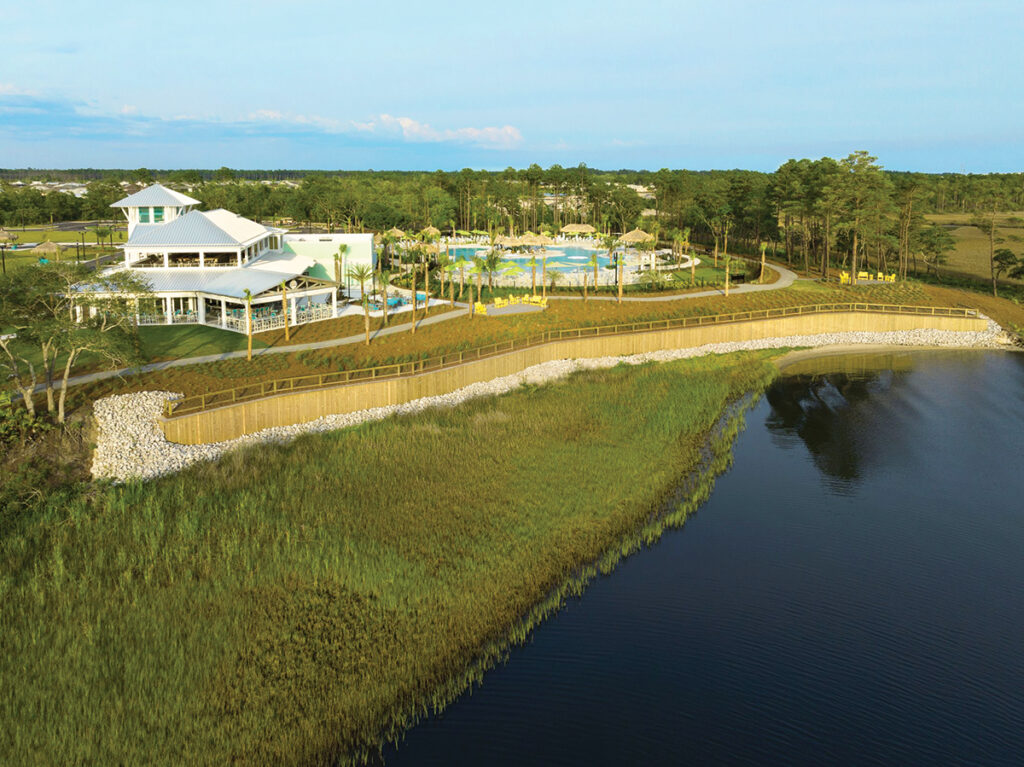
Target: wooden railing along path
{"x": 210, "y": 400}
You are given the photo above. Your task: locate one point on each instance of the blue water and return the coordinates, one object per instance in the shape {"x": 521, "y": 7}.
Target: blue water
{"x": 571, "y": 257}
{"x": 852, "y": 593}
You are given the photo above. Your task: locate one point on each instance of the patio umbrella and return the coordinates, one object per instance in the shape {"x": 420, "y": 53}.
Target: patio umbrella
{"x": 396, "y": 232}
{"x": 5, "y": 236}
{"x": 431, "y": 231}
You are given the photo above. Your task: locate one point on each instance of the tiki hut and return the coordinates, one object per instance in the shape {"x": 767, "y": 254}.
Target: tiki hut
{"x": 578, "y": 229}
{"x": 431, "y": 231}
{"x": 46, "y": 249}
{"x": 636, "y": 236}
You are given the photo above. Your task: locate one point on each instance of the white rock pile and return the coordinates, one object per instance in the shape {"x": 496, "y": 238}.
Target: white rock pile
{"x": 131, "y": 445}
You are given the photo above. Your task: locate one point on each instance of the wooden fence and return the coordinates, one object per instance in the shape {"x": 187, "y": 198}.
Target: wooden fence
{"x": 228, "y": 413}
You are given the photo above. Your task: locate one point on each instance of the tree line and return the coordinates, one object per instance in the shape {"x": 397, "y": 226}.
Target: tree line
{"x": 848, "y": 213}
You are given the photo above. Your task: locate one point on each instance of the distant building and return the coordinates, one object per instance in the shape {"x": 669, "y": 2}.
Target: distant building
{"x": 200, "y": 264}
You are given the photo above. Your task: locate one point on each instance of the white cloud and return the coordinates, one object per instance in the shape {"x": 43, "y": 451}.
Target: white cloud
{"x": 129, "y": 109}
{"x": 9, "y": 89}
{"x": 409, "y": 129}
{"x": 493, "y": 137}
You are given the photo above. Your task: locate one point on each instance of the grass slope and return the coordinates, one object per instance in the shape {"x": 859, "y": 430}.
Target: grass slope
{"x": 294, "y": 604}
{"x": 465, "y": 333}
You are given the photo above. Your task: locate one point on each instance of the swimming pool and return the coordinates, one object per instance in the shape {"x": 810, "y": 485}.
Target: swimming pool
{"x": 561, "y": 258}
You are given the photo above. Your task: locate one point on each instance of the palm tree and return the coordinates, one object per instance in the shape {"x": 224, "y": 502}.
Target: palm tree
{"x": 284, "y": 308}
{"x": 608, "y": 243}
{"x": 443, "y": 262}
{"x": 584, "y": 273}
{"x": 388, "y": 240}
{"x": 339, "y": 262}
{"x": 462, "y": 263}
{"x": 492, "y": 263}
{"x": 555, "y": 277}
{"x": 651, "y": 277}
{"x": 384, "y": 277}
{"x": 101, "y": 232}
{"x": 593, "y": 263}
{"x": 726, "y": 260}
{"x": 451, "y": 284}
{"x": 532, "y": 263}
{"x": 479, "y": 267}
{"x": 764, "y": 247}
{"x": 544, "y": 273}
{"x": 248, "y": 323}
{"x": 362, "y": 273}
{"x": 412, "y": 272}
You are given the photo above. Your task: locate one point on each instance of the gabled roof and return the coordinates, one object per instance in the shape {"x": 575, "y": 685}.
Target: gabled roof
{"x": 242, "y": 229}
{"x": 158, "y": 195}
{"x": 195, "y": 228}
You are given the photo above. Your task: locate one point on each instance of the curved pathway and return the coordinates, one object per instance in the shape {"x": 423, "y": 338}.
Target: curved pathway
{"x": 786, "y": 278}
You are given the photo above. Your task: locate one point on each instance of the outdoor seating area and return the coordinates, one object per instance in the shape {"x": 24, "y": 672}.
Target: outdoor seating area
{"x": 526, "y": 298}
{"x": 525, "y": 302}
{"x": 845, "y": 279}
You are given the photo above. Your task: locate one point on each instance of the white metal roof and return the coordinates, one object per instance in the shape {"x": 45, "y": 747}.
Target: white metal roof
{"x": 242, "y": 229}
{"x": 257, "y": 276}
{"x": 196, "y": 228}
{"x": 282, "y": 261}
{"x": 158, "y": 195}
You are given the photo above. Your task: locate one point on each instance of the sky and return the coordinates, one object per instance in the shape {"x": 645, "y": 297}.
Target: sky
{"x": 929, "y": 86}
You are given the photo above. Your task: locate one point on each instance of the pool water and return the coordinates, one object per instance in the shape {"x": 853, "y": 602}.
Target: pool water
{"x": 563, "y": 255}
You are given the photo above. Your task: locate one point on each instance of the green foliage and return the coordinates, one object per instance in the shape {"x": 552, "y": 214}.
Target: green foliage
{"x": 296, "y": 603}
{"x": 17, "y": 426}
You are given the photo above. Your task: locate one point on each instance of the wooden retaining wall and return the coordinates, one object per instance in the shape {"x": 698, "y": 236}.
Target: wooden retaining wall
{"x": 234, "y": 420}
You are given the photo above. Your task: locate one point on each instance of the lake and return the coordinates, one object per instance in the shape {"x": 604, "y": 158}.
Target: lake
{"x": 852, "y": 592}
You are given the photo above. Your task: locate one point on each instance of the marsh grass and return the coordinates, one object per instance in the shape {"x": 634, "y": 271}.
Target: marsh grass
{"x": 301, "y": 603}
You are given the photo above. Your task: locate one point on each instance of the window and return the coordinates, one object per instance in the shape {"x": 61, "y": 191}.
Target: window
{"x": 158, "y": 215}
{"x": 143, "y": 215}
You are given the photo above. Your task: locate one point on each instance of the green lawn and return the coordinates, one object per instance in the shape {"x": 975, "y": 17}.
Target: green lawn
{"x": 163, "y": 342}
{"x": 291, "y": 604}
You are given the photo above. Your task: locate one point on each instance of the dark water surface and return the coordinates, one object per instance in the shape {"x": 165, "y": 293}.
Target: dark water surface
{"x": 852, "y": 593}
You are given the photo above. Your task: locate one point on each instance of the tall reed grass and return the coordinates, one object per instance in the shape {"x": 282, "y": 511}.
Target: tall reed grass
{"x": 300, "y": 603}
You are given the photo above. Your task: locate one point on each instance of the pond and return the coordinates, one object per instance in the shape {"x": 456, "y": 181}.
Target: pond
{"x": 851, "y": 593}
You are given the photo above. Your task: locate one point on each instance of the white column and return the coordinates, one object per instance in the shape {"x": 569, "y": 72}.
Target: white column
{"x": 294, "y": 311}
{"x": 167, "y": 310}
{"x": 223, "y": 313}
{"x": 202, "y": 259}
{"x": 78, "y": 313}
{"x": 334, "y": 300}
{"x": 166, "y": 260}
{"x": 201, "y": 308}
{"x": 239, "y": 253}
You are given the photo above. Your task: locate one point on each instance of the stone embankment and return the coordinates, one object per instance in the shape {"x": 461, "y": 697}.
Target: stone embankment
{"x": 132, "y": 446}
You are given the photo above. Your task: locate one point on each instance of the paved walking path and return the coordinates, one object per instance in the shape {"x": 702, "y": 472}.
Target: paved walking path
{"x": 786, "y": 278}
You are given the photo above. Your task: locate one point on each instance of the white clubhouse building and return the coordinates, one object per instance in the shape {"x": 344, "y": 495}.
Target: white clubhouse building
{"x": 200, "y": 264}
